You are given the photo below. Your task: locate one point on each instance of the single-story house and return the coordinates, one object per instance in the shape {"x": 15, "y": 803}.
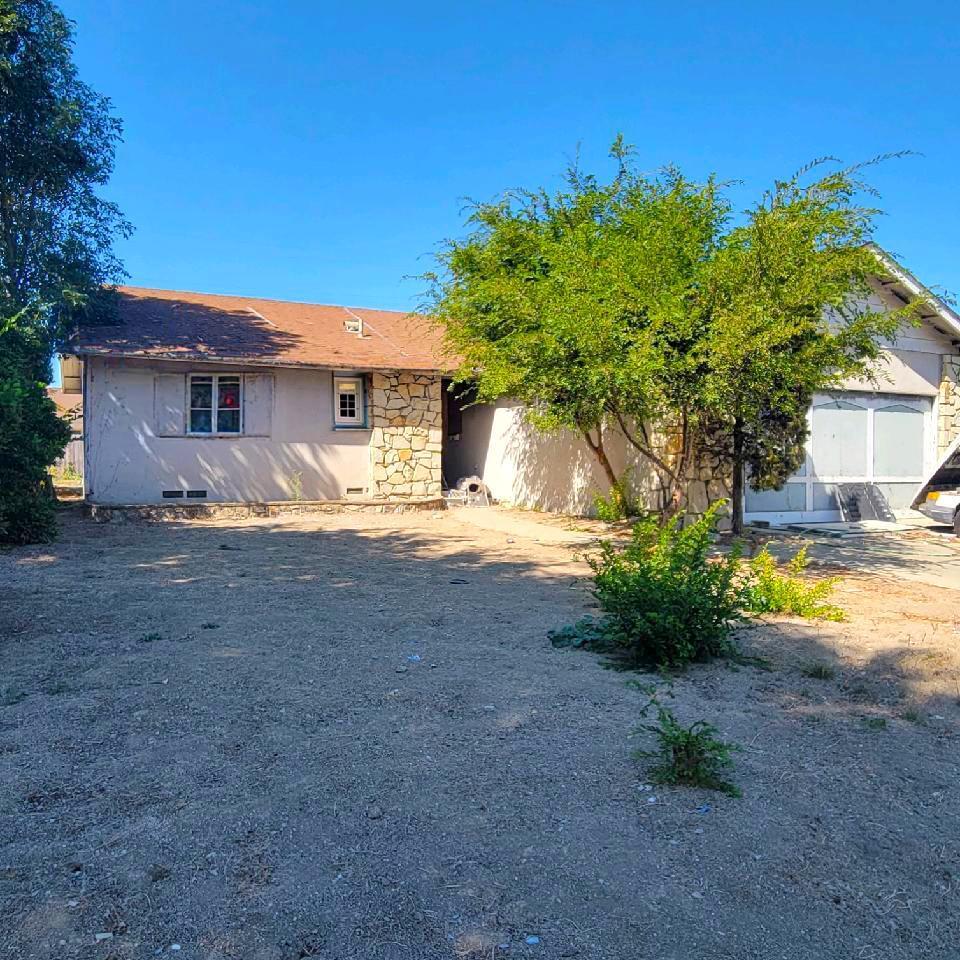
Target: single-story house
{"x": 234, "y": 399}
{"x": 203, "y": 397}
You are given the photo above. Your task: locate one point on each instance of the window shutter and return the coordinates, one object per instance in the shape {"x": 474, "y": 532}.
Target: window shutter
{"x": 257, "y": 404}
{"x": 169, "y": 400}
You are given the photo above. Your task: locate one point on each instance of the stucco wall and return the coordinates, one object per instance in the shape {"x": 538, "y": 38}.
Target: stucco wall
{"x": 522, "y": 465}
{"x": 127, "y": 462}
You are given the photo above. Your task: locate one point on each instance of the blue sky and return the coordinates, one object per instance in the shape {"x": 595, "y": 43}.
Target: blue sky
{"x": 319, "y": 151}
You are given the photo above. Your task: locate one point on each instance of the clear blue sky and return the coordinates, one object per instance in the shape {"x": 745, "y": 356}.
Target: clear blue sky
{"x": 319, "y": 151}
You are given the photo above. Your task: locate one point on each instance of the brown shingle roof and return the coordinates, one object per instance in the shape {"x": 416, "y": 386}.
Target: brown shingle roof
{"x": 175, "y": 325}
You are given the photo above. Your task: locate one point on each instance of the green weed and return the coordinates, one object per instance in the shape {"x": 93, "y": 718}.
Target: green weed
{"x": 690, "y": 756}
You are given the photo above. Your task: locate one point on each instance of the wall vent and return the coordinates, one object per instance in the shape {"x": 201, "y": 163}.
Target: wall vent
{"x": 356, "y": 491}
{"x": 172, "y": 494}
{"x": 196, "y": 494}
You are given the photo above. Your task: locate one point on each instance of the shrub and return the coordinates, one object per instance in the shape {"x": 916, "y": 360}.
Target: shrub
{"x": 768, "y": 590}
{"x": 667, "y": 603}
{"x": 619, "y": 504}
{"x": 687, "y": 756}
{"x": 32, "y": 436}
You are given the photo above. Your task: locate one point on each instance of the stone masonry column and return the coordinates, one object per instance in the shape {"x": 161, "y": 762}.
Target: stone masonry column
{"x": 406, "y": 441}
{"x": 948, "y": 419}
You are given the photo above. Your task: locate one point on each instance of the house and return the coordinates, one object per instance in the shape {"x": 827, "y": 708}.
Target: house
{"x": 215, "y": 398}
{"x": 889, "y": 435}
{"x": 231, "y": 399}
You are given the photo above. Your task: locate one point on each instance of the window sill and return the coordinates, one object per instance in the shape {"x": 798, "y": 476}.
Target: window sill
{"x": 351, "y": 426}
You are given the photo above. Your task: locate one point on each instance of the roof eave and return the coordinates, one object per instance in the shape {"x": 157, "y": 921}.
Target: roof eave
{"x": 87, "y": 351}
{"x": 903, "y": 276}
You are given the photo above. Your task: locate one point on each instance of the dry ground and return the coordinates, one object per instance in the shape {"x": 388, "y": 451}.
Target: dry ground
{"x": 348, "y": 737}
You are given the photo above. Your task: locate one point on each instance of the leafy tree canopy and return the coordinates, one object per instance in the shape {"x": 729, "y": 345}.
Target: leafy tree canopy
{"x": 644, "y": 302}
{"x": 58, "y": 138}
{"x": 583, "y": 303}
{"x": 57, "y": 144}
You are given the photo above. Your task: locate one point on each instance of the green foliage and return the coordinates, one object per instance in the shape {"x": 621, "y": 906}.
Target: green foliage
{"x": 791, "y": 313}
{"x": 586, "y": 632}
{"x": 667, "y": 603}
{"x": 67, "y": 473}
{"x": 639, "y": 302}
{"x": 32, "y": 436}
{"x": 619, "y": 504}
{"x": 579, "y": 303}
{"x": 296, "y": 485}
{"x": 691, "y": 756}
{"x": 769, "y": 590}
{"x": 57, "y": 144}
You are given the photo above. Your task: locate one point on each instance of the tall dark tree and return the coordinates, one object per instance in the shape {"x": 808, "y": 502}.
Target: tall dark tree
{"x": 58, "y": 138}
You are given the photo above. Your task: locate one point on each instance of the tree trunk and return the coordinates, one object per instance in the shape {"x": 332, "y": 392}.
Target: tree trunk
{"x": 738, "y": 491}
{"x": 601, "y": 455}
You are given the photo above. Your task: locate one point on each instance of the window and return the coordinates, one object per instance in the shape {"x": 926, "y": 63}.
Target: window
{"x": 215, "y": 404}
{"x": 348, "y": 402}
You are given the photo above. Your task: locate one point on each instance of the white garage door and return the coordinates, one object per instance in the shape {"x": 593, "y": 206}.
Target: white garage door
{"x": 884, "y": 439}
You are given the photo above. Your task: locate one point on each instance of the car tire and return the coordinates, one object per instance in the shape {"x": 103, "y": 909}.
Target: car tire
{"x": 956, "y": 523}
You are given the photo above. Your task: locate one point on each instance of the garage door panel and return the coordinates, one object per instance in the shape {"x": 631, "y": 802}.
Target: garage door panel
{"x": 839, "y": 444}
{"x": 898, "y": 495}
{"x": 897, "y": 441}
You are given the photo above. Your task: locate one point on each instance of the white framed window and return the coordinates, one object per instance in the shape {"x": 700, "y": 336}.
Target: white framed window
{"x": 216, "y": 404}
{"x": 349, "y": 405}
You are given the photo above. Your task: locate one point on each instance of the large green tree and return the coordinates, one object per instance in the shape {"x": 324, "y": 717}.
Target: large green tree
{"x": 583, "y": 304}
{"x": 57, "y": 144}
{"x": 642, "y": 305}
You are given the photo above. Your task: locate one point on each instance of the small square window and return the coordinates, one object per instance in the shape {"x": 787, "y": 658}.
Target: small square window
{"x": 348, "y": 402}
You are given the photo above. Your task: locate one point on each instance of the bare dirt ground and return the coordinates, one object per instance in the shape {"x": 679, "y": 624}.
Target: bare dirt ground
{"x": 348, "y": 737}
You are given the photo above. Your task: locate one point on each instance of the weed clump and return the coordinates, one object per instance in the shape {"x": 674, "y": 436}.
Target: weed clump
{"x": 818, "y": 671}
{"x": 691, "y": 756}
{"x": 619, "y": 504}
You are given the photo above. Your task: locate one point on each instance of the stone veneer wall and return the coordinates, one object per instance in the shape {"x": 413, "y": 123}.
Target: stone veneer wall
{"x": 406, "y": 417}
{"x": 948, "y": 425}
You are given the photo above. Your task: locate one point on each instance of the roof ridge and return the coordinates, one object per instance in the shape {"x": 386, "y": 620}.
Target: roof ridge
{"x": 241, "y": 296}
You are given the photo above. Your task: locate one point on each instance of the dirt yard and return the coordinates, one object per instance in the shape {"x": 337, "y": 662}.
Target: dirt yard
{"x": 348, "y": 737}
